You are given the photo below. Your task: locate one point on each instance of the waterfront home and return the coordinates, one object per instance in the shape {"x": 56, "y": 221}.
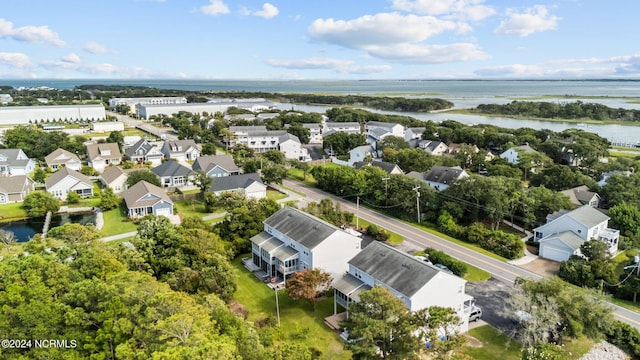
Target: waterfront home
{"x": 99, "y": 156}
{"x": 249, "y": 185}
{"x": 565, "y": 231}
{"x": 15, "y": 162}
{"x": 61, "y": 157}
{"x": 416, "y": 282}
{"x": 216, "y": 165}
{"x": 144, "y": 198}
{"x": 293, "y": 241}
{"x": 65, "y": 181}
{"x": 15, "y": 188}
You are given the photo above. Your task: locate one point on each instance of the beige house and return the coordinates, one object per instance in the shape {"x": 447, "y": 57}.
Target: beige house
{"x": 61, "y": 157}
{"x": 115, "y": 178}
{"x": 15, "y": 188}
{"x": 99, "y": 156}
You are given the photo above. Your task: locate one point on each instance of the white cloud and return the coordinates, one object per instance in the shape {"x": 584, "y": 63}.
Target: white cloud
{"x": 30, "y": 34}
{"x": 379, "y": 29}
{"x": 459, "y": 9}
{"x": 95, "y": 48}
{"x": 532, "y": 20}
{"x": 428, "y": 54}
{"x": 268, "y": 11}
{"x": 71, "y": 58}
{"x": 337, "y": 65}
{"x": 17, "y": 60}
{"x": 215, "y": 7}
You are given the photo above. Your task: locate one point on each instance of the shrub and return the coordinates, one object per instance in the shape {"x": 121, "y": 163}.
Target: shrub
{"x": 73, "y": 198}
{"x": 624, "y": 336}
{"x": 439, "y": 257}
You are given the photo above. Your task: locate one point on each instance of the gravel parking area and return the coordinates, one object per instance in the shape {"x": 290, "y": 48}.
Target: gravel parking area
{"x": 542, "y": 267}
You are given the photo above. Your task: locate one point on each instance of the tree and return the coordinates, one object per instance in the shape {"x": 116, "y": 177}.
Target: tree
{"x": 393, "y": 142}
{"x": 275, "y": 156}
{"x": 595, "y": 250}
{"x": 626, "y": 218}
{"x": 7, "y": 237}
{"x": 139, "y": 175}
{"x": 300, "y": 131}
{"x": 274, "y": 173}
{"x": 108, "y": 199}
{"x": 307, "y": 285}
{"x": 380, "y": 324}
{"x": 73, "y": 197}
{"x": 116, "y": 137}
{"x": 202, "y": 181}
{"x": 39, "y": 175}
{"x": 38, "y": 203}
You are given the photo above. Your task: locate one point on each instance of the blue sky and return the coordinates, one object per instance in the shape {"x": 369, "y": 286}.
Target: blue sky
{"x": 323, "y": 39}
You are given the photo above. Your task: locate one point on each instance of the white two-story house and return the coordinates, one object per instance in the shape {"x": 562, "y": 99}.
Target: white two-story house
{"x": 417, "y": 283}
{"x": 565, "y": 231}
{"x": 257, "y": 138}
{"x": 293, "y": 240}
{"x": 15, "y": 162}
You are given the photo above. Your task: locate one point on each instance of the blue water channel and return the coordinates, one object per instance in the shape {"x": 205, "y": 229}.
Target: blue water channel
{"x": 27, "y": 228}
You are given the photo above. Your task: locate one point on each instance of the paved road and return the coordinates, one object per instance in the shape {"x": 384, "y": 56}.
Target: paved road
{"x": 502, "y": 271}
{"x": 145, "y": 126}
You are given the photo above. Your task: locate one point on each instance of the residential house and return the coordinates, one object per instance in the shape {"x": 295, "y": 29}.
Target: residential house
{"x": 389, "y": 168}
{"x": 15, "y": 162}
{"x": 377, "y": 134}
{"x": 345, "y": 127}
{"x": 61, "y": 157}
{"x": 173, "y": 174}
{"x": 605, "y": 176}
{"x": 293, "y": 240}
{"x": 144, "y": 198}
{"x": 65, "y": 181}
{"x": 291, "y": 147}
{"x": 5, "y": 99}
{"x": 99, "y": 156}
{"x": 216, "y": 165}
{"x": 582, "y": 196}
{"x": 565, "y": 231}
{"x": 315, "y": 133}
{"x": 393, "y": 128}
{"x": 181, "y": 150}
{"x": 115, "y": 178}
{"x": 15, "y": 188}
{"x": 249, "y": 185}
{"x": 144, "y": 151}
{"x": 413, "y": 133}
{"x": 512, "y": 154}
{"x": 360, "y": 153}
{"x": 417, "y": 283}
{"x": 257, "y": 138}
{"x": 436, "y": 148}
{"x": 440, "y": 177}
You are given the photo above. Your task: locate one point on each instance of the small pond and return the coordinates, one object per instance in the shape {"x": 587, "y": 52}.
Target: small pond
{"x": 25, "y": 229}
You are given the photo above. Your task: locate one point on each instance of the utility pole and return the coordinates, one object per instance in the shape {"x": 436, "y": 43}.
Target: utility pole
{"x": 386, "y": 190}
{"x": 417, "y": 190}
{"x": 277, "y": 305}
{"x": 357, "y": 212}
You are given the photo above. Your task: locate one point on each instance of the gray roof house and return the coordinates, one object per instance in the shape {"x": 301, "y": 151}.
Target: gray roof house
{"x": 417, "y": 283}
{"x": 173, "y": 174}
{"x": 582, "y": 196}
{"x": 585, "y": 223}
{"x": 65, "y": 181}
{"x": 216, "y": 165}
{"x": 15, "y": 188}
{"x": 389, "y": 168}
{"x": 293, "y": 240}
{"x": 15, "y": 162}
{"x": 440, "y": 177}
{"x": 142, "y": 151}
{"x": 250, "y": 185}
{"x": 61, "y": 157}
{"x": 144, "y": 198}
{"x": 181, "y": 150}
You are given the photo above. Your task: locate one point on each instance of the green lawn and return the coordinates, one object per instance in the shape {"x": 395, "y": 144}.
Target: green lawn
{"x": 298, "y": 175}
{"x": 298, "y": 322}
{"x": 88, "y": 202}
{"x": 115, "y": 222}
{"x": 394, "y": 238}
{"x": 13, "y": 211}
{"x": 275, "y": 195}
{"x": 493, "y": 345}
{"x": 190, "y": 208}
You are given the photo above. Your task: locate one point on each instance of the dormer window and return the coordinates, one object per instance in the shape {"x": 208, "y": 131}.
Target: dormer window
{"x": 105, "y": 152}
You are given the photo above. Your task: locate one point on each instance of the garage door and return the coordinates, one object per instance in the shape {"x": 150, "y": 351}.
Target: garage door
{"x": 553, "y": 253}
{"x": 163, "y": 212}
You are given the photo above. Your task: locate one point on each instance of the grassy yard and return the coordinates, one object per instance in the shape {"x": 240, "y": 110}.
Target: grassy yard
{"x": 298, "y": 175}
{"x": 275, "y": 195}
{"x": 13, "y": 211}
{"x": 298, "y": 322}
{"x": 394, "y": 238}
{"x": 190, "y": 208}
{"x": 115, "y": 222}
{"x": 491, "y": 344}
{"x": 88, "y": 202}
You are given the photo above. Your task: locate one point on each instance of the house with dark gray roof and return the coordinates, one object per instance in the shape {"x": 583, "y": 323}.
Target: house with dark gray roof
{"x": 15, "y": 162}
{"x": 293, "y": 241}
{"x": 249, "y": 185}
{"x": 15, "y": 188}
{"x": 144, "y": 198}
{"x": 389, "y": 168}
{"x": 414, "y": 281}
{"x": 144, "y": 151}
{"x": 181, "y": 150}
{"x": 558, "y": 237}
{"x": 61, "y": 157}
{"x": 173, "y": 174}
{"x": 581, "y": 195}
{"x": 216, "y": 165}
{"x": 441, "y": 177}
{"x": 65, "y": 181}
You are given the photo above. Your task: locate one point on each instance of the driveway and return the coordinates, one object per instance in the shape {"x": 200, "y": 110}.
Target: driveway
{"x": 491, "y": 296}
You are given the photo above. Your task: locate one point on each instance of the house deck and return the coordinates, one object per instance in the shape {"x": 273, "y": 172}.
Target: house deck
{"x": 334, "y": 321}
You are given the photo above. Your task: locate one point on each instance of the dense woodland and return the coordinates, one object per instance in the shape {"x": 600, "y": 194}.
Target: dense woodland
{"x": 570, "y": 110}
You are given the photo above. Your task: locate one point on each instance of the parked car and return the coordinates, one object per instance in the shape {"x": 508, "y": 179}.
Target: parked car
{"x": 476, "y": 314}
{"x": 443, "y": 268}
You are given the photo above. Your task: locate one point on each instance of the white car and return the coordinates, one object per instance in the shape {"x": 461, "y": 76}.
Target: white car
{"x": 476, "y": 314}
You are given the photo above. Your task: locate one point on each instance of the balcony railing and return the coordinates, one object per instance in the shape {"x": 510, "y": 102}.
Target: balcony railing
{"x": 289, "y": 269}
{"x": 609, "y": 234}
